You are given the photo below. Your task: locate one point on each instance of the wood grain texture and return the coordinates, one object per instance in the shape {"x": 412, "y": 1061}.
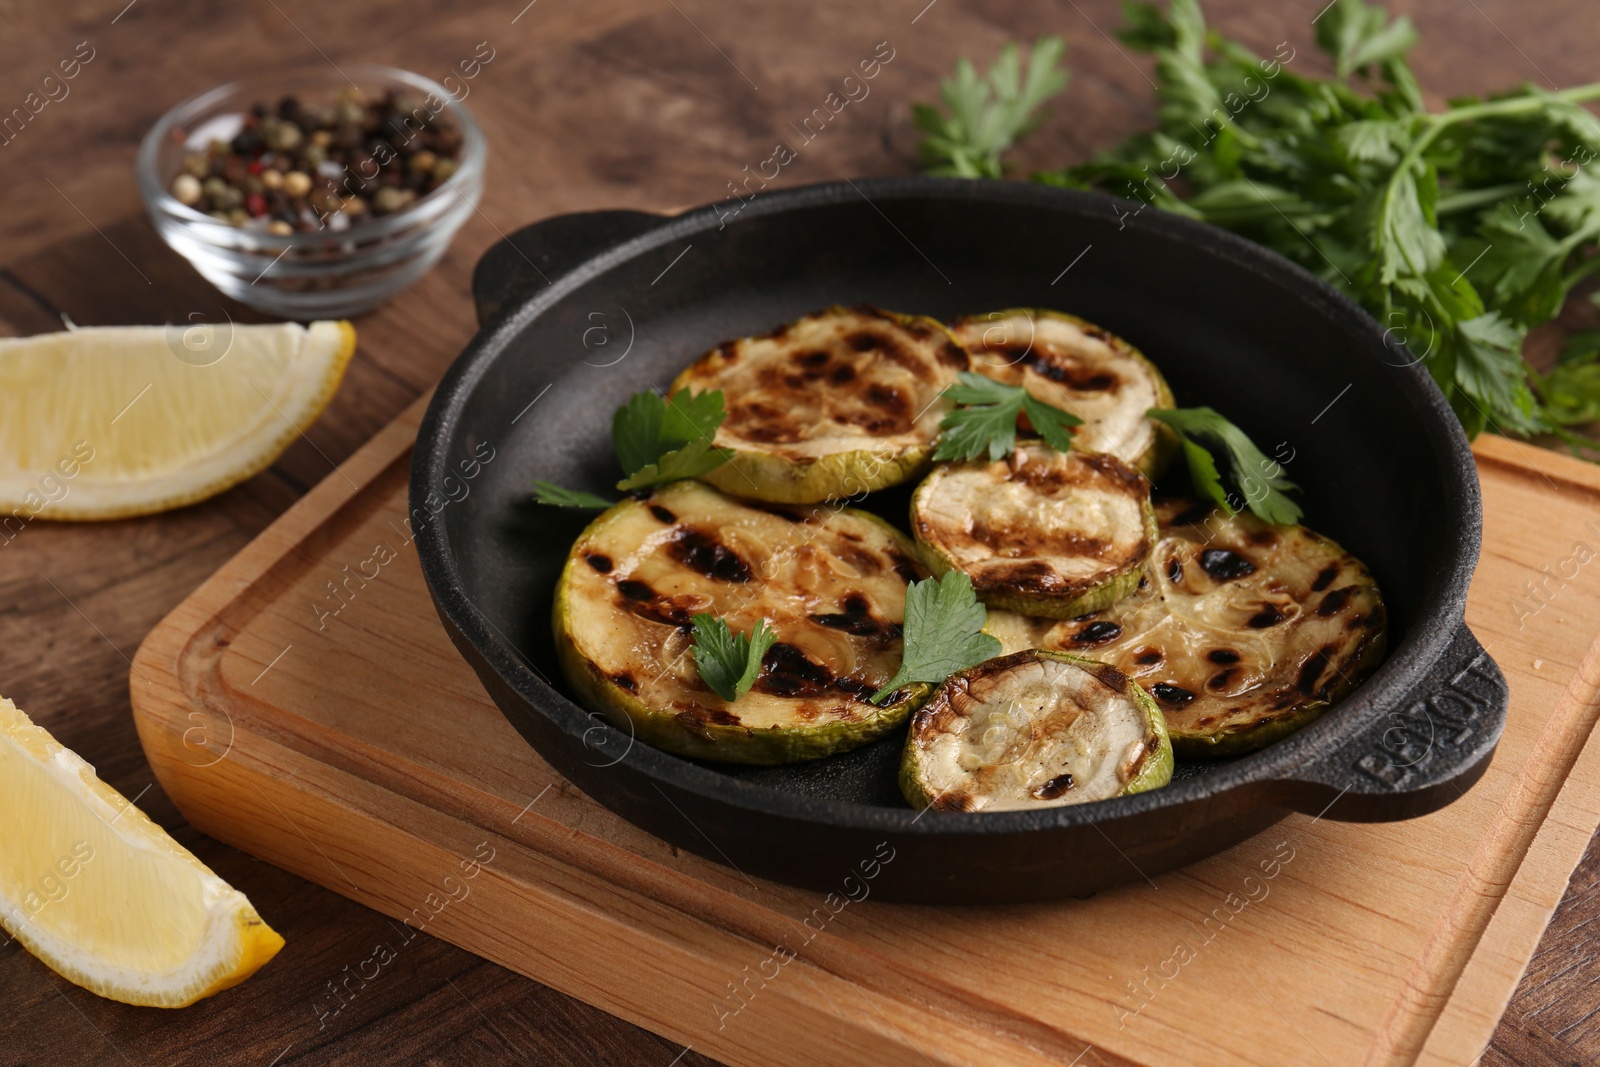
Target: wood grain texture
{"x": 599, "y": 103}
{"x": 275, "y": 725}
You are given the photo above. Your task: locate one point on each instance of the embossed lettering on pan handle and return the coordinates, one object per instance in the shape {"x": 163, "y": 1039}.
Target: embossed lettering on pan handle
{"x": 515, "y": 267}
{"x": 1420, "y": 755}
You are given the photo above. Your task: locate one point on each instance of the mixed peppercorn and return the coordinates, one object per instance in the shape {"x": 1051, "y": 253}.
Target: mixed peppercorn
{"x": 301, "y": 167}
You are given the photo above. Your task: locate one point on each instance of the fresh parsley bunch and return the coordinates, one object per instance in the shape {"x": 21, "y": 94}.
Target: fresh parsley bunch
{"x": 1459, "y": 230}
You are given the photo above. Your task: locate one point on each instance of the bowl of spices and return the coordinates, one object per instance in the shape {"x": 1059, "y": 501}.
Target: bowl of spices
{"x": 312, "y": 195}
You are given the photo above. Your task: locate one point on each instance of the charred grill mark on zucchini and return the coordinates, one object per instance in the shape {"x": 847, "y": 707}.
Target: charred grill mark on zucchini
{"x": 786, "y": 672}
{"x": 826, "y": 579}
{"x": 632, "y": 590}
{"x": 1171, "y": 695}
{"x": 1335, "y": 601}
{"x": 1041, "y": 531}
{"x": 837, "y": 403}
{"x": 856, "y": 618}
{"x": 1052, "y": 366}
{"x": 1081, "y": 368}
{"x": 638, "y": 598}
{"x": 1034, "y": 729}
{"x": 1312, "y": 668}
{"x": 1269, "y": 615}
{"x": 1252, "y": 641}
{"x": 1055, "y": 788}
{"x": 703, "y": 553}
{"x": 1097, "y": 633}
{"x": 1225, "y": 565}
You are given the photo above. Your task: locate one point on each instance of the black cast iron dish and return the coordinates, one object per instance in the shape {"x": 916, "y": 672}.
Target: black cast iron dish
{"x": 582, "y": 310}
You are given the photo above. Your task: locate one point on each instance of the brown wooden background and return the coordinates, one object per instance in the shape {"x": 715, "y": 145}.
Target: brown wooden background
{"x": 587, "y": 104}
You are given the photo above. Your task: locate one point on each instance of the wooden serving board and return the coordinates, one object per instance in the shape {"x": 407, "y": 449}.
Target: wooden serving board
{"x": 356, "y": 749}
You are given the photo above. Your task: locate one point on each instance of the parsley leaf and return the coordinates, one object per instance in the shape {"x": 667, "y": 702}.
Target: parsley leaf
{"x": 943, "y": 633}
{"x": 657, "y": 440}
{"x": 636, "y": 430}
{"x": 692, "y": 416}
{"x": 1358, "y": 35}
{"x": 988, "y": 114}
{"x": 690, "y": 461}
{"x": 728, "y": 662}
{"x": 562, "y": 497}
{"x": 1459, "y": 229}
{"x": 1050, "y": 423}
{"x": 1572, "y": 389}
{"x": 650, "y": 427}
{"x": 662, "y": 440}
{"x": 1256, "y": 480}
{"x": 985, "y": 420}
{"x": 1203, "y": 473}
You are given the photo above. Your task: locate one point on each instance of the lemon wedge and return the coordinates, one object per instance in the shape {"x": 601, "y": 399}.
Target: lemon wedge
{"x": 102, "y": 895}
{"x": 114, "y": 421}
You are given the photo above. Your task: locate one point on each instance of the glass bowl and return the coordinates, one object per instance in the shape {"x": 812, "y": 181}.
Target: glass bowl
{"x": 329, "y": 273}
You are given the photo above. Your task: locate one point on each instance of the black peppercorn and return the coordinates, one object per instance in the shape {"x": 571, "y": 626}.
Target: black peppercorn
{"x": 296, "y": 166}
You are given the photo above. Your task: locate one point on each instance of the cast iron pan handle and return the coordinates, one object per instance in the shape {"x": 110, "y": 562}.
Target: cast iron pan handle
{"x": 1420, "y": 756}
{"x": 516, "y": 267}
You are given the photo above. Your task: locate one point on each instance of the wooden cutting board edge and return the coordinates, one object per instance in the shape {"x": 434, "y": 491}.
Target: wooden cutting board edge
{"x": 164, "y": 710}
{"x": 1544, "y": 783}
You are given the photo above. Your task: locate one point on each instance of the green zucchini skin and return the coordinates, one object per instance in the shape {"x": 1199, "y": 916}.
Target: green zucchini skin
{"x": 831, "y": 406}
{"x": 1244, "y": 632}
{"x": 1014, "y": 773}
{"x": 837, "y": 476}
{"x": 830, "y": 582}
{"x": 1039, "y": 532}
{"x": 1079, "y": 367}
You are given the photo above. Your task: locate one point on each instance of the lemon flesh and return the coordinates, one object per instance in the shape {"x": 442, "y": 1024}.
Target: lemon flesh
{"x": 102, "y": 895}
{"x": 111, "y": 422}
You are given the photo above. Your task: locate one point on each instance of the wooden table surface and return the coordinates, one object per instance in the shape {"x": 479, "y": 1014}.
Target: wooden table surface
{"x": 587, "y": 104}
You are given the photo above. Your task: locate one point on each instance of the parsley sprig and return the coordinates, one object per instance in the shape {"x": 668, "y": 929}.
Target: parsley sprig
{"x": 985, "y": 420}
{"x": 657, "y": 440}
{"x": 1571, "y": 391}
{"x": 987, "y": 114}
{"x": 943, "y": 633}
{"x": 562, "y": 497}
{"x": 1253, "y": 480}
{"x": 728, "y": 662}
{"x": 1458, "y": 229}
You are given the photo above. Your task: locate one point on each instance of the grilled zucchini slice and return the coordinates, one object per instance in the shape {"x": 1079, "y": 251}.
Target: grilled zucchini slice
{"x": 1243, "y": 631}
{"x": 832, "y": 405}
{"x": 1041, "y": 532}
{"x": 1034, "y": 730}
{"x": 1078, "y": 367}
{"x": 830, "y": 581}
